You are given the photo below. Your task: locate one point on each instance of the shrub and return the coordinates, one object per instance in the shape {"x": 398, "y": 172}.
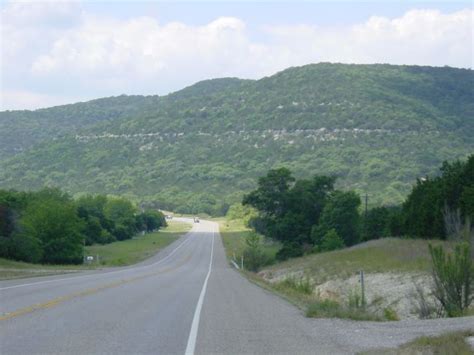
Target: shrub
{"x": 254, "y": 256}
{"x": 324, "y": 308}
{"x": 25, "y": 248}
{"x": 453, "y": 276}
{"x": 302, "y": 285}
{"x": 331, "y": 241}
{"x": 333, "y": 309}
{"x": 390, "y": 314}
{"x": 289, "y": 250}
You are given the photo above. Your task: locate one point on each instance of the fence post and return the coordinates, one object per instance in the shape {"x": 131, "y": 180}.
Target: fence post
{"x": 362, "y": 287}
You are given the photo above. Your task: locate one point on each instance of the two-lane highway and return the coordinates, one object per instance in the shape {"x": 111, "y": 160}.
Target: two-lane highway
{"x": 186, "y": 299}
{"x": 144, "y": 309}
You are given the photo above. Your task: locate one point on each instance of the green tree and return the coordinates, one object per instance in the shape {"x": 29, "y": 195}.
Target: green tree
{"x": 341, "y": 214}
{"x": 270, "y": 197}
{"x": 98, "y": 228}
{"x": 423, "y": 210}
{"x": 122, "y": 213}
{"x": 376, "y": 224}
{"x": 306, "y": 200}
{"x": 150, "y": 220}
{"x": 53, "y": 223}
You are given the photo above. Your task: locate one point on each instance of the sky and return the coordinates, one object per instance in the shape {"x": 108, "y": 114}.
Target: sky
{"x": 61, "y": 52}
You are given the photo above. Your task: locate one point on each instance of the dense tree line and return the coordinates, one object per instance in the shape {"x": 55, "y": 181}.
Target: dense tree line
{"x": 437, "y": 207}
{"x": 49, "y": 226}
{"x": 311, "y": 215}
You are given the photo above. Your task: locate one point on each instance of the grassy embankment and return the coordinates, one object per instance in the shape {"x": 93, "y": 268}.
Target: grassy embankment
{"x": 233, "y": 234}
{"x": 451, "y": 343}
{"x": 388, "y": 255}
{"x": 121, "y": 253}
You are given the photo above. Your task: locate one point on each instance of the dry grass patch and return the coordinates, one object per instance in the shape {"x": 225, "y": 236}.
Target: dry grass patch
{"x": 382, "y": 255}
{"x": 451, "y": 343}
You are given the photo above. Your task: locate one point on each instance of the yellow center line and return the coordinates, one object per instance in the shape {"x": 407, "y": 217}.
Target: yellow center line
{"x": 87, "y": 292}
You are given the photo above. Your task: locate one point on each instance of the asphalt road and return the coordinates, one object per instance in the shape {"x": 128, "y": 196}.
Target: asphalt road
{"x": 186, "y": 299}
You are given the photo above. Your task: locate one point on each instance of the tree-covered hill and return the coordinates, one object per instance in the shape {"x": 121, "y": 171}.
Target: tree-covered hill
{"x": 20, "y": 130}
{"x": 376, "y": 127}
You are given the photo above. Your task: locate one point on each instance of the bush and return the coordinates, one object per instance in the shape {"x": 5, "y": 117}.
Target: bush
{"x": 331, "y": 241}
{"x": 289, "y": 250}
{"x": 390, "y": 314}
{"x": 25, "y": 248}
{"x": 324, "y": 308}
{"x": 453, "y": 277}
{"x": 254, "y": 256}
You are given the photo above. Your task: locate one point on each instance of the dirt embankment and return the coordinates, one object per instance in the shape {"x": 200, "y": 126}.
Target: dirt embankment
{"x": 399, "y": 292}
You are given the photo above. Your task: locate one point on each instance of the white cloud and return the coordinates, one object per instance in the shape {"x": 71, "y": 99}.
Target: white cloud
{"x": 62, "y": 50}
{"x": 422, "y": 37}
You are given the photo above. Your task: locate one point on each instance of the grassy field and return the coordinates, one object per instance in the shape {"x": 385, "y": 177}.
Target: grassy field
{"x": 114, "y": 254}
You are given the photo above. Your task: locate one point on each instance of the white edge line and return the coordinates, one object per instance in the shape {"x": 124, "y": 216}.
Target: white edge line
{"x": 98, "y": 274}
{"x": 197, "y": 313}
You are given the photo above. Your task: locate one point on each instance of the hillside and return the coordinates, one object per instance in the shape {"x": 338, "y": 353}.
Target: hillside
{"x": 377, "y": 127}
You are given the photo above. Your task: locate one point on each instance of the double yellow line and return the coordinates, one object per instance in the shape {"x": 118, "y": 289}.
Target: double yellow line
{"x": 90, "y": 291}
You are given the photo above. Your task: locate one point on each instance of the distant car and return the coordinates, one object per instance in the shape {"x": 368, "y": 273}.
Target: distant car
{"x": 168, "y": 216}
{"x": 196, "y": 219}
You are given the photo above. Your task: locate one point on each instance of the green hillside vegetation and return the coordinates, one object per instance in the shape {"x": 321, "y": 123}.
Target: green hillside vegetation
{"x": 375, "y": 127}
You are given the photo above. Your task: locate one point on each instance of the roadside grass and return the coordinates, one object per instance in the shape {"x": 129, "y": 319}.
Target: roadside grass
{"x": 114, "y": 254}
{"x": 381, "y": 255}
{"x": 10, "y": 269}
{"x": 332, "y": 309}
{"x": 450, "y": 343}
{"x": 139, "y": 248}
{"x": 234, "y": 233}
